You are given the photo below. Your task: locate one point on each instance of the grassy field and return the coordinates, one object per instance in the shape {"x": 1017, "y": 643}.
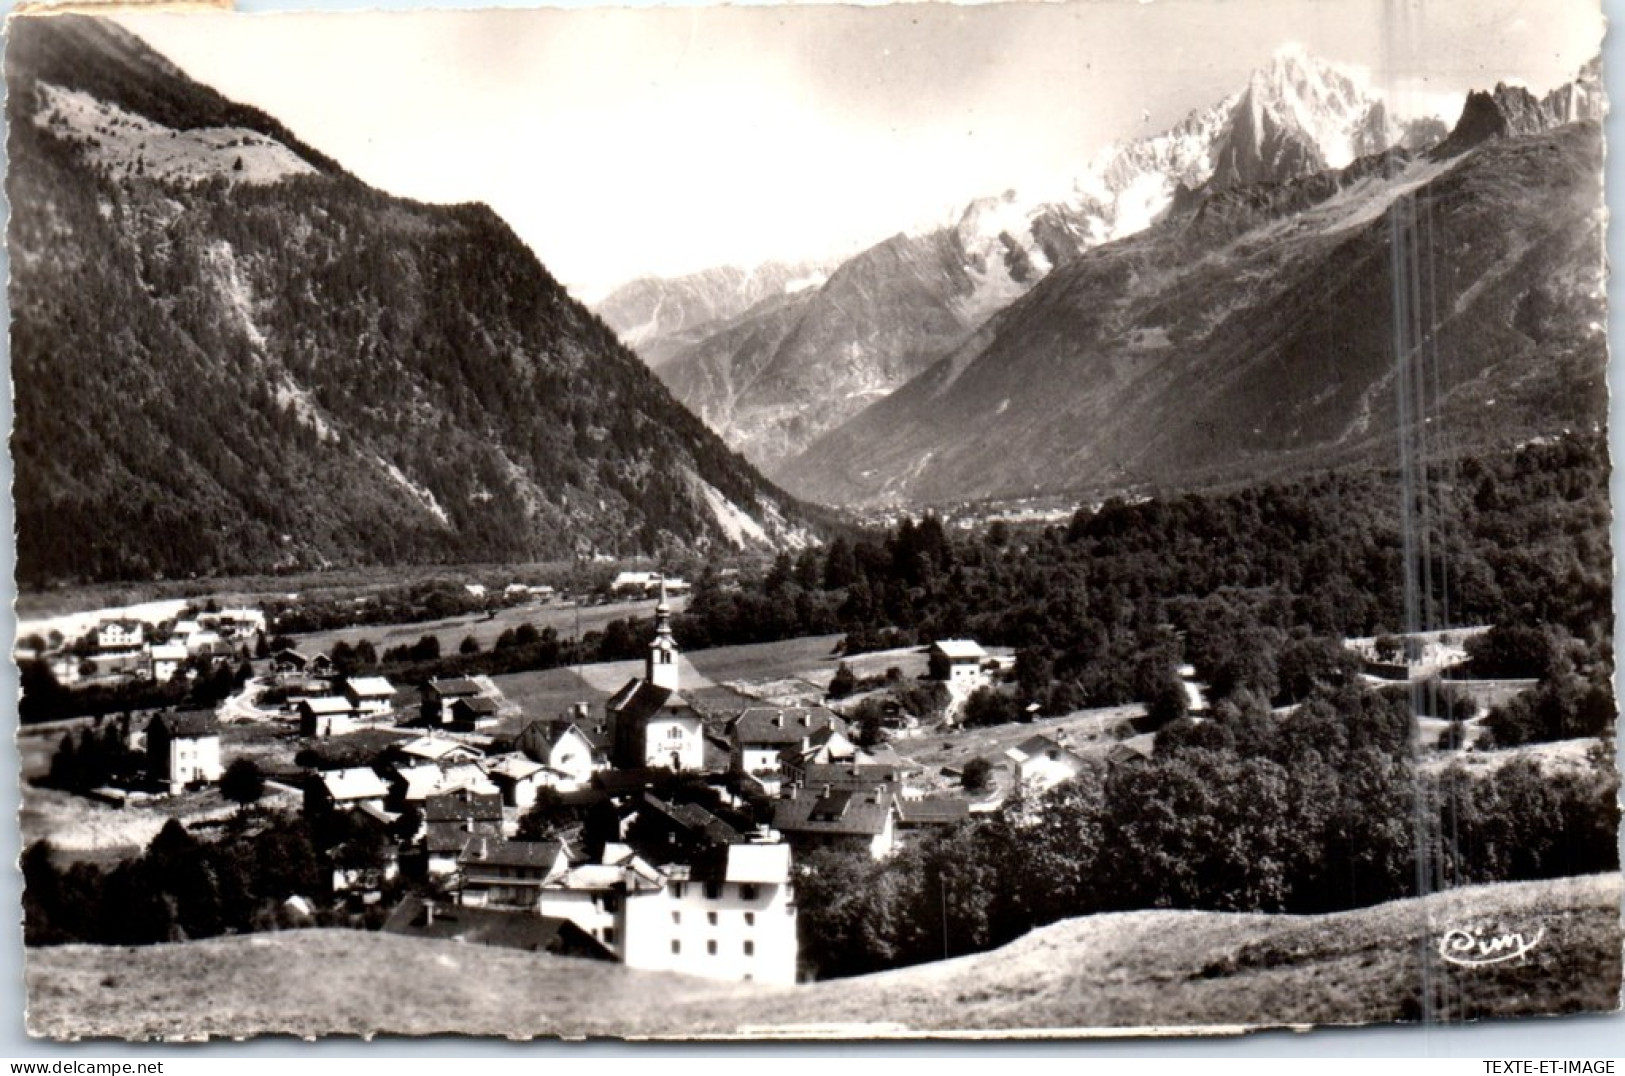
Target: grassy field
{"x": 1129, "y": 970}
{"x": 485, "y": 629}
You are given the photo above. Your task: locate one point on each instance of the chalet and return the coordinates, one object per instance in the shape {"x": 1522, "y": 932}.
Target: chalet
{"x": 440, "y": 750}
{"x": 1042, "y": 763}
{"x": 287, "y": 661}
{"x": 563, "y": 746}
{"x": 416, "y": 917}
{"x": 518, "y": 778}
{"x": 185, "y": 629}
{"x": 122, "y": 634}
{"x": 412, "y": 785}
{"x": 320, "y": 665}
{"x": 370, "y": 696}
{"x": 915, "y": 816}
{"x": 761, "y": 735}
{"x": 958, "y": 662}
{"x": 838, "y": 818}
{"x": 1134, "y": 749}
{"x": 653, "y": 726}
{"x": 183, "y": 749}
{"x": 235, "y": 624}
{"x": 165, "y": 660}
{"x": 356, "y": 787}
{"x": 510, "y": 874}
{"x": 329, "y": 715}
{"x": 438, "y": 696}
{"x": 474, "y": 714}
{"x": 207, "y": 644}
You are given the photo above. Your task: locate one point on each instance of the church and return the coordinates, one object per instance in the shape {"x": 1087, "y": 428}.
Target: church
{"x": 653, "y": 726}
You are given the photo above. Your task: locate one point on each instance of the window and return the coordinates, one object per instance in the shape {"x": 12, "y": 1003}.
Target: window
{"x": 711, "y": 947}
{"x": 750, "y": 919}
{"x": 747, "y": 892}
{"x": 611, "y": 902}
{"x": 678, "y": 890}
{"x": 711, "y": 917}
{"x": 609, "y": 936}
{"x": 676, "y": 946}
{"x": 713, "y": 890}
{"x": 676, "y": 917}
{"x": 750, "y": 948}
{"x": 674, "y": 733}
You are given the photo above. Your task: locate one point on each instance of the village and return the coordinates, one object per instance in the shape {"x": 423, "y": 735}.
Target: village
{"x": 660, "y": 829}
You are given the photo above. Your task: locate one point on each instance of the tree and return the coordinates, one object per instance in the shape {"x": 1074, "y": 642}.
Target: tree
{"x": 977, "y": 776}
{"x": 469, "y": 645}
{"x": 243, "y": 782}
{"x": 843, "y": 683}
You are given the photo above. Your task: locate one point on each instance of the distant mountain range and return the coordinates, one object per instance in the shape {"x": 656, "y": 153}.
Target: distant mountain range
{"x": 777, "y": 371}
{"x": 228, "y": 354}
{"x": 1253, "y": 333}
{"x": 1209, "y": 304}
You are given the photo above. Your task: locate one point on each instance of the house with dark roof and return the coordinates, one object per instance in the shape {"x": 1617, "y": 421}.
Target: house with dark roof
{"x": 415, "y": 917}
{"x": 183, "y": 749}
{"x": 438, "y": 696}
{"x": 924, "y": 814}
{"x": 474, "y": 714}
{"x": 509, "y": 874}
{"x": 850, "y": 819}
{"x": 763, "y": 735}
{"x": 665, "y": 832}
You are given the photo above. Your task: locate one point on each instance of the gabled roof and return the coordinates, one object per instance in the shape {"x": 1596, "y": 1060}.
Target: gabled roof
{"x": 121, "y": 623}
{"x": 536, "y": 855}
{"x": 937, "y": 812}
{"x": 524, "y": 931}
{"x": 849, "y": 775}
{"x": 478, "y": 704}
{"x": 462, "y": 804}
{"x": 514, "y": 767}
{"x": 959, "y": 649}
{"x": 453, "y": 835}
{"x": 169, "y": 652}
{"x": 694, "y": 819}
{"x": 459, "y": 687}
{"x": 1032, "y": 747}
{"x": 370, "y": 687}
{"x": 538, "y": 738}
{"x": 187, "y": 724}
{"x": 436, "y": 748}
{"x": 638, "y": 700}
{"x": 326, "y": 705}
{"x": 840, "y": 813}
{"x": 779, "y": 726}
{"x": 354, "y": 784}
{"x": 764, "y": 864}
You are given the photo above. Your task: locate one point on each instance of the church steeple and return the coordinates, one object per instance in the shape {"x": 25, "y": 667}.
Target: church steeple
{"x": 661, "y": 669}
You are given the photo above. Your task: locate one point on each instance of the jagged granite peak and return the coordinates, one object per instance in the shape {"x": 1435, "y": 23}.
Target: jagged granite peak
{"x": 889, "y": 312}
{"x": 1253, "y": 337}
{"x": 1510, "y": 110}
{"x": 230, "y": 356}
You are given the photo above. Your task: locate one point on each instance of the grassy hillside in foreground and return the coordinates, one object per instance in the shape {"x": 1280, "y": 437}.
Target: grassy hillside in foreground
{"x": 1138, "y": 969}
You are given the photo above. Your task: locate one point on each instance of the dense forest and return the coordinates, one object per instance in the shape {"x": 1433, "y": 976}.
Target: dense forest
{"x": 217, "y": 376}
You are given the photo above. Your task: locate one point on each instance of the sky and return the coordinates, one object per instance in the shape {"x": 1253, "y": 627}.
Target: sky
{"x": 619, "y": 142}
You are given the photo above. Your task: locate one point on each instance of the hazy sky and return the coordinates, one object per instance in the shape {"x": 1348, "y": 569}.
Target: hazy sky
{"x": 619, "y": 142}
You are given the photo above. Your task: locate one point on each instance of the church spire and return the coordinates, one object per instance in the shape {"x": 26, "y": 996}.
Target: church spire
{"x": 661, "y": 669}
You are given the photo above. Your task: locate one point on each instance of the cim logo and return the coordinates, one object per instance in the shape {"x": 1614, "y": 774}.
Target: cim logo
{"x": 1472, "y": 948}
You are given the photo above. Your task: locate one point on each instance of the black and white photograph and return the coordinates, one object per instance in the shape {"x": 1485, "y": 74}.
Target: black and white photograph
{"x": 1022, "y": 520}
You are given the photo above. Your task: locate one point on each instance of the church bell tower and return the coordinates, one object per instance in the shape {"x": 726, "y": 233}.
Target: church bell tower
{"x": 661, "y": 670}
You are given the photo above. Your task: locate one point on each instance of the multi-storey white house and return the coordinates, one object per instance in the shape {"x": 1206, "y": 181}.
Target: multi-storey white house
{"x": 762, "y": 734}
{"x": 120, "y": 634}
{"x": 370, "y": 696}
{"x": 183, "y": 749}
{"x": 165, "y": 660}
{"x": 958, "y": 662}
